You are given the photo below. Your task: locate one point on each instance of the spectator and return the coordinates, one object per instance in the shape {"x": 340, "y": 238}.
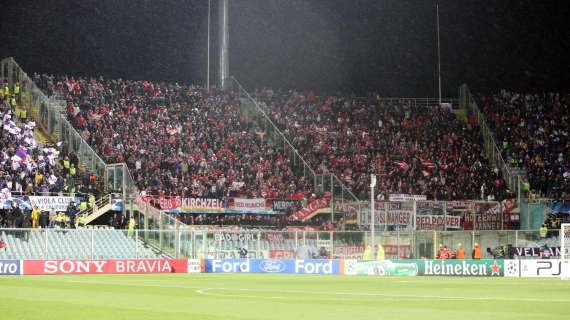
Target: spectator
{"x": 532, "y": 130}
{"x": 476, "y": 253}
{"x": 460, "y": 252}
{"x": 413, "y": 149}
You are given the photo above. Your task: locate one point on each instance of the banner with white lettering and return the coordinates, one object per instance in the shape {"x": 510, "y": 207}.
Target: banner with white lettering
{"x": 48, "y": 203}
{"x": 431, "y": 222}
{"x": 186, "y": 205}
{"x": 104, "y": 266}
{"x": 242, "y": 205}
{"x": 536, "y": 252}
{"x": 286, "y": 205}
{"x": 407, "y": 197}
{"x": 235, "y": 236}
{"x": 391, "y": 215}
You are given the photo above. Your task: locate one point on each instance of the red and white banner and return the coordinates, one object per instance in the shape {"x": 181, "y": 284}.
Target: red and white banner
{"x": 348, "y": 252}
{"x": 431, "y": 222}
{"x": 104, "y": 266}
{"x": 275, "y": 237}
{"x": 313, "y": 207}
{"x": 282, "y": 254}
{"x": 178, "y": 204}
{"x": 256, "y": 203}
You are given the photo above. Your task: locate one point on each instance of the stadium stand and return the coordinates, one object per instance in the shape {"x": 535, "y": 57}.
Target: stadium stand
{"x": 532, "y": 131}
{"x": 177, "y": 140}
{"x": 76, "y": 244}
{"x": 414, "y": 149}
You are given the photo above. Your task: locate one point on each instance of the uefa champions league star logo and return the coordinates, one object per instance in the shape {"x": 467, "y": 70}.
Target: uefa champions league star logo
{"x": 511, "y": 268}
{"x": 350, "y": 267}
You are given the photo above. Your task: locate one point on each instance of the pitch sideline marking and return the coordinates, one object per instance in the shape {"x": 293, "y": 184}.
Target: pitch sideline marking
{"x": 207, "y": 291}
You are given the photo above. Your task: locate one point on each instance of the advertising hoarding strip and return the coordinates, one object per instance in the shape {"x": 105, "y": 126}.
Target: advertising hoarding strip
{"x": 42, "y": 267}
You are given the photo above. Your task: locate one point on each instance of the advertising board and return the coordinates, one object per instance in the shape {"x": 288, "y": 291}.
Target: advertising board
{"x": 312, "y": 266}
{"x": 104, "y": 266}
{"x": 10, "y": 267}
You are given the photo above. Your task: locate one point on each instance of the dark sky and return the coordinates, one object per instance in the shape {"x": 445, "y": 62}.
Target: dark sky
{"x": 386, "y": 46}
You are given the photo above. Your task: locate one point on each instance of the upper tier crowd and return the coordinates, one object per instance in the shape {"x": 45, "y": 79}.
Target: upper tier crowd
{"x": 177, "y": 140}
{"x": 532, "y": 131}
{"x": 413, "y": 149}
{"x": 181, "y": 140}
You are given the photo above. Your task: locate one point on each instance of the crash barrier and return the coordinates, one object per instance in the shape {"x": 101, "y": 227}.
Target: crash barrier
{"x": 349, "y": 267}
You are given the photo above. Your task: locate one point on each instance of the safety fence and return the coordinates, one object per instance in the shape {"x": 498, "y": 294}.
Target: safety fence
{"x": 223, "y": 243}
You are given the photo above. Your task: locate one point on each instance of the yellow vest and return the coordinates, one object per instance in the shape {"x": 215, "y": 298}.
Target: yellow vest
{"x": 23, "y": 114}
{"x": 13, "y": 102}
{"x": 16, "y": 89}
{"x": 83, "y": 205}
{"x": 35, "y": 214}
{"x": 66, "y": 164}
{"x": 6, "y": 91}
{"x": 72, "y": 170}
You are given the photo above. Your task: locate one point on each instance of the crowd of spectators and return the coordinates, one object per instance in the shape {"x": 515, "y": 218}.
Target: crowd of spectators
{"x": 177, "y": 140}
{"x": 29, "y": 168}
{"x": 425, "y": 150}
{"x": 532, "y": 131}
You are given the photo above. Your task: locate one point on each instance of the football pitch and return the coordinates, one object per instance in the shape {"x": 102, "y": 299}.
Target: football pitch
{"x": 291, "y": 297}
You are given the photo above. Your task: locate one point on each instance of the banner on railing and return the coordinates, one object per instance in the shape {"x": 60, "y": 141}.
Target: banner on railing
{"x": 186, "y": 205}
{"x": 117, "y": 204}
{"x": 431, "y": 222}
{"x": 282, "y": 254}
{"x": 235, "y": 254}
{"x": 44, "y": 203}
{"x": 228, "y": 206}
{"x": 348, "y": 252}
{"x": 48, "y": 203}
{"x": 536, "y": 252}
{"x": 236, "y": 236}
{"x": 406, "y": 197}
{"x": 285, "y": 205}
{"x": 104, "y": 266}
{"x": 311, "y": 208}
{"x": 242, "y": 205}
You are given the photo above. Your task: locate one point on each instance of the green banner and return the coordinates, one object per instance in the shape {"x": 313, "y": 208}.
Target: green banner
{"x": 386, "y": 268}
{"x": 468, "y": 268}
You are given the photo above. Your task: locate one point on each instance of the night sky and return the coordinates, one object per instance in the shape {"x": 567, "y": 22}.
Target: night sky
{"x": 348, "y": 46}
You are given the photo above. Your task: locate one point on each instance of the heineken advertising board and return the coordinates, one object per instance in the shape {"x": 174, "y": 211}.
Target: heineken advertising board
{"x": 468, "y": 268}
{"x": 476, "y": 268}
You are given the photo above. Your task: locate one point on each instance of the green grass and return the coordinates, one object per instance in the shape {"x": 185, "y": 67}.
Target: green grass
{"x": 291, "y": 297}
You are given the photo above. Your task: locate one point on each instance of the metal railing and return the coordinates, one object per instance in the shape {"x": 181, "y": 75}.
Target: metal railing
{"x": 50, "y": 116}
{"x": 264, "y": 121}
{"x": 513, "y": 180}
{"x": 225, "y": 243}
{"x": 321, "y": 182}
{"x": 420, "y": 102}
